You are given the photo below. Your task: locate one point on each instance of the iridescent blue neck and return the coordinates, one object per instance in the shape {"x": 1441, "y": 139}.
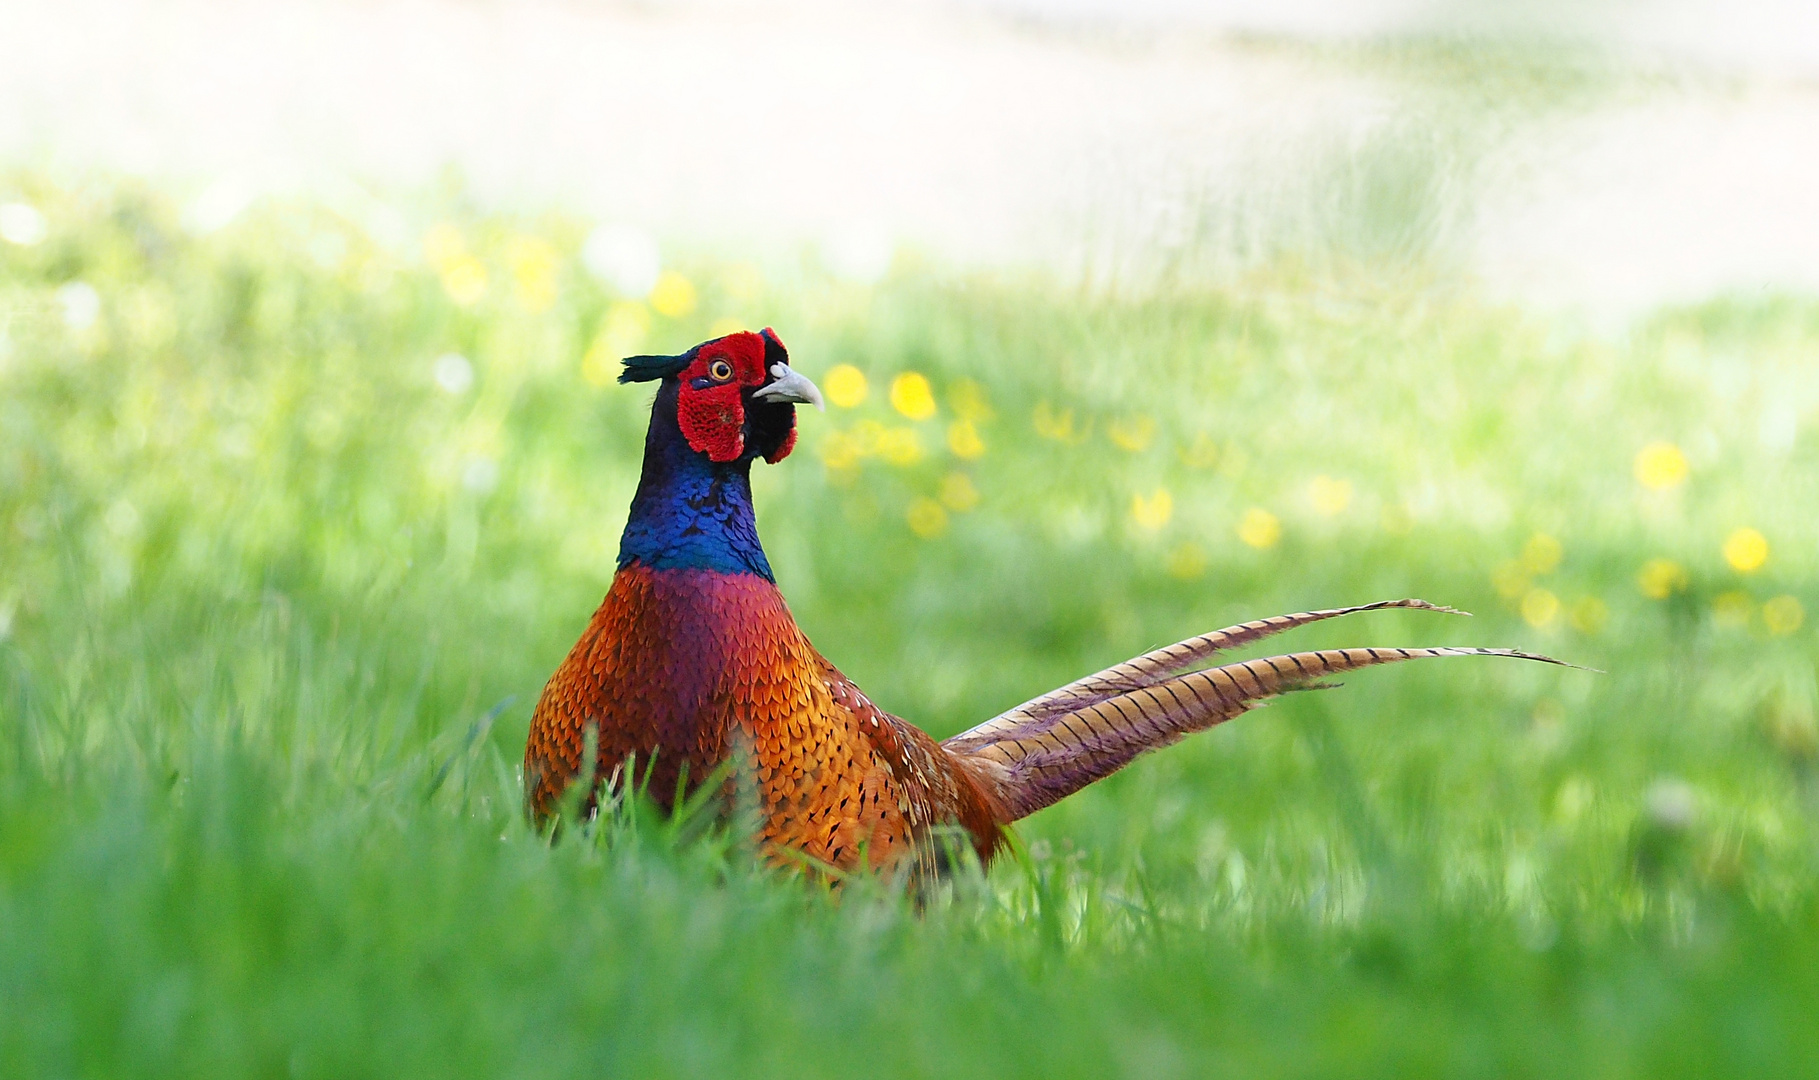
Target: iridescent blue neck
{"x": 689, "y": 512}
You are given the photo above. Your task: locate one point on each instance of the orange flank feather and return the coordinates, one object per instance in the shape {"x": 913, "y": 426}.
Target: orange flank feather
{"x": 680, "y": 667}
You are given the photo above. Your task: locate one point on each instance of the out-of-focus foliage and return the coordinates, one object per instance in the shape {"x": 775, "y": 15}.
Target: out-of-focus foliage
{"x": 286, "y": 506}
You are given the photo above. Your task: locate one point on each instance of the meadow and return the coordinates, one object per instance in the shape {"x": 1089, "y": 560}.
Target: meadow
{"x": 298, "y": 512}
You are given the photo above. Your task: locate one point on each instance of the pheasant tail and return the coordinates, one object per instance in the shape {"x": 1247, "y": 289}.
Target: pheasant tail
{"x": 1052, "y": 746}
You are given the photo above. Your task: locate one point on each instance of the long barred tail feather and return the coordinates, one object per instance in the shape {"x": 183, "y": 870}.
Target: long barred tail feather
{"x": 1035, "y": 759}
{"x": 1157, "y": 665}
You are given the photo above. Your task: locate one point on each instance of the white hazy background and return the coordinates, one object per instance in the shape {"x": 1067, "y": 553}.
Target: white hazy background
{"x": 1596, "y": 159}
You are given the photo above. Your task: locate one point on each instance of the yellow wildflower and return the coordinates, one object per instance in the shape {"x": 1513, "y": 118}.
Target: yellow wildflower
{"x": 1783, "y": 615}
{"x": 926, "y": 517}
{"x": 673, "y": 296}
{"x": 1590, "y": 614}
{"x": 845, "y": 385}
{"x": 1542, "y": 554}
{"x": 1539, "y": 607}
{"x": 1132, "y": 433}
{"x": 1329, "y": 496}
{"x": 963, "y": 439}
{"x": 1661, "y": 578}
{"x": 1259, "y": 528}
{"x": 533, "y": 261}
{"x": 1660, "y": 466}
{"x": 464, "y": 279}
{"x": 1746, "y": 550}
{"x": 1058, "y": 424}
{"x": 1152, "y": 512}
{"x": 912, "y": 396}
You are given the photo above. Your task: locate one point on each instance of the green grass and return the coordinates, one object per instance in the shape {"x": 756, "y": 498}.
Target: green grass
{"x": 261, "y": 578}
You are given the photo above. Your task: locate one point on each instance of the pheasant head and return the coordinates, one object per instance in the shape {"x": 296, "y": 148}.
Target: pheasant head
{"x": 720, "y": 406}
{"x": 733, "y": 398}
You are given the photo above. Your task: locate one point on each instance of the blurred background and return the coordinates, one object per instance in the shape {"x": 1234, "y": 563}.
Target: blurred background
{"x": 1135, "y": 320}
{"x": 1599, "y": 157}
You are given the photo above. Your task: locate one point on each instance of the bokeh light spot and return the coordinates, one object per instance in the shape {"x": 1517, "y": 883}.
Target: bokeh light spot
{"x": 1660, "y": 466}
{"x": 1661, "y": 578}
{"x": 845, "y": 386}
{"x": 534, "y": 262}
{"x": 673, "y": 296}
{"x": 1542, "y": 554}
{"x": 926, "y": 517}
{"x": 1151, "y": 512}
{"x": 1746, "y": 550}
{"x": 1589, "y": 614}
{"x": 1132, "y": 434}
{"x": 1539, "y": 607}
{"x": 1259, "y": 528}
{"x": 81, "y": 305}
{"x": 912, "y": 396}
{"x": 464, "y": 279}
{"x": 453, "y": 373}
{"x": 963, "y": 439}
{"x": 1329, "y": 497}
{"x": 1783, "y": 615}
{"x": 1058, "y": 424}
{"x": 22, "y": 224}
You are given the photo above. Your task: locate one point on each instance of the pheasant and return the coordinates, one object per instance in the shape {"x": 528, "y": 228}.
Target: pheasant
{"x": 693, "y": 660}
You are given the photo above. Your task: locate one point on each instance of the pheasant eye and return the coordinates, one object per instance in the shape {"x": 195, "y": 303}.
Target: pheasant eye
{"x": 720, "y": 370}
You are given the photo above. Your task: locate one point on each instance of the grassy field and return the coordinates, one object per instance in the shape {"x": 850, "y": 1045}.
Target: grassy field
{"x": 297, "y": 515}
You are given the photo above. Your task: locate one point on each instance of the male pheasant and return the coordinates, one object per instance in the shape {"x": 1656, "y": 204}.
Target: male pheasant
{"x": 693, "y": 658}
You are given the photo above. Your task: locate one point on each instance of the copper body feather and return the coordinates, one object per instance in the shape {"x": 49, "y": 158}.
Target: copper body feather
{"x": 681, "y": 666}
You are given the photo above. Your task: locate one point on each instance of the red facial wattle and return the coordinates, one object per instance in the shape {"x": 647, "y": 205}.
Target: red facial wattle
{"x": 710, "y": 408}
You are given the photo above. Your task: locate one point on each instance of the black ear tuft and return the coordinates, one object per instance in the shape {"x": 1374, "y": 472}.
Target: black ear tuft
{"x": 774, "y": 352}
{"x": 652, "y": 368}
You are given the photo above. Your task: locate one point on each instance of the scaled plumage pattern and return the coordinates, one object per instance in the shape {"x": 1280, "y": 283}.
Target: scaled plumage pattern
{"x": 693, "y": 658}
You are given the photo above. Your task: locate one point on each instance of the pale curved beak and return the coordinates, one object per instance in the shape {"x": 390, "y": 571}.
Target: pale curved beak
{"x": 789, "y": 386}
